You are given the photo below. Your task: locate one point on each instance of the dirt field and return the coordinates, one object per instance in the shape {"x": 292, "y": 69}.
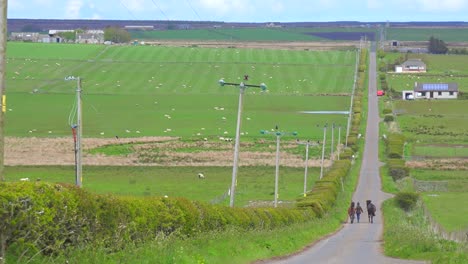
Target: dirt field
{"x": 59, "y": 151}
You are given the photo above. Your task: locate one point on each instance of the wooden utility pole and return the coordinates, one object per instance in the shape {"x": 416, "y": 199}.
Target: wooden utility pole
{"x": 3, "y": 37}
{"x": 323, "y": 150}
{"x": 78, "y": 149}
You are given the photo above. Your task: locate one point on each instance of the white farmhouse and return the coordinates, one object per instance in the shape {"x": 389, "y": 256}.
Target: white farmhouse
{"x": 432, "y": 91}
{"x": 411, "y": 66}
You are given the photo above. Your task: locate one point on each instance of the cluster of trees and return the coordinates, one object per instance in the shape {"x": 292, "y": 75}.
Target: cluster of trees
{"x": 460, "y": 51}
{"x": 437, "y": 46}
{"x": 116, "y": 35}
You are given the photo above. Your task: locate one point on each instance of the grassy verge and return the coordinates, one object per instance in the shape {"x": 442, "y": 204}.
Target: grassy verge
{"x": 407, "y": 236}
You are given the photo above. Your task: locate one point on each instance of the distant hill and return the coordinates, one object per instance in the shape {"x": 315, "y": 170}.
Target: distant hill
{"x": 43, "y": 25}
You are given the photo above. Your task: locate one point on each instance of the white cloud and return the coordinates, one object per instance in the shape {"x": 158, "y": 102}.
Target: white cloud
{"x": 43, "y": 2}
{"x": 15, "y": 4}
{"x": 73, "y": 8}
{"x": 135, "y": 5}
{"x": 96, "y": 16}
{"x": 374, "y": 4}
{"x": 277, "y": 7}
{"x": 224, "y": 6}
{"x": 438, "y": 5}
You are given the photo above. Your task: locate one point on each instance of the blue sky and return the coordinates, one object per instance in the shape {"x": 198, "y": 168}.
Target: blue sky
{"x": 243, "y": 10}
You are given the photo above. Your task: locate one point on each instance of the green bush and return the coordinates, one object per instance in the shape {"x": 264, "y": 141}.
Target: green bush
{"x": 395, "y": 144}
{"x": 398, "y": 173}
{"x": 389, "y": 118}
{"x": 347, "y": 153}
{"x": 407, "y": 200}
{"x": 387, "y": 111}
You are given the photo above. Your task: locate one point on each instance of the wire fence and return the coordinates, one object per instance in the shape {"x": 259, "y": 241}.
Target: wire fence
{"x": 430, "y": 186}
{"x": 221, "y": 198}
{"x": 458, "y": 236}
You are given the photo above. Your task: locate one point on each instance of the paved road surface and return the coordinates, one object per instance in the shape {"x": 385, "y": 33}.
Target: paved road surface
{"x": 358, "y": 243}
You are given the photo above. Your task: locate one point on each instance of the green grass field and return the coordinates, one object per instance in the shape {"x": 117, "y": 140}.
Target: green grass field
{"x": 423, "y": 34}
{"x": 457, "y": 179}
{"x": 243, "y": 34}
{"x": 428, "y": 122}
{"x": 254, "y": 183}
{"x": 448, "y": 209}
{"x": 440, "y": 151}
{"x": 438, "y": 129}
{"x": 152, "y": 83}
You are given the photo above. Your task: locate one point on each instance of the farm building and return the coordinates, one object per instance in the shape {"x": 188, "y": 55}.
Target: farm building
{"x": 412, "y": 65}
{"x": 90, "y": 37}
{"x": 28, "y": 36}
{"x": 432, "y": 91}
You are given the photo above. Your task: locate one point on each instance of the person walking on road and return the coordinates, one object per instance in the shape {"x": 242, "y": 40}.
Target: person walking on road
{"x": 351, "y": 212}
{"x": 358, "y": 211}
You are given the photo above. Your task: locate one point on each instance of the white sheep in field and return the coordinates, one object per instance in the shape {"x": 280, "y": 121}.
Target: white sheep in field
{"x": 201, "y": 176}
{"x": 24, "y": 179}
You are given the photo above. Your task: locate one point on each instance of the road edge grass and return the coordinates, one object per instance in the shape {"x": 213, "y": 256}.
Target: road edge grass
{"x": 408, "y": 235}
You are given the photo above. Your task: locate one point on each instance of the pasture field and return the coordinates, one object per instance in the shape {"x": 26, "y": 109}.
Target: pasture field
{"x": 440, "y": 151}
{"x": 457, "y": 179}
{"x": 423, "y": 34}
{"x": 249, "y": 34}
{"x": 448, "y": 209}
{"x": 172, "y": 91}
{"x": 438, "y": 130}
{"x": 400, "y": 82}
{"x": 441, "y": 68}
{"x": 254, "y": 183}
{"x": 443, "y": 121}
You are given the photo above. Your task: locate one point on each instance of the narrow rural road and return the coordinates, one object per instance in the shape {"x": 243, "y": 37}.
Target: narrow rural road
{"x": 359, "y": 242}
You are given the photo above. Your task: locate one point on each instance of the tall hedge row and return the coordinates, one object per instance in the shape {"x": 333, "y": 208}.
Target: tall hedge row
{"x": 45, "y": 217}
{"x": 395, "y": 144}
{"x": 323, "y": 195}
{"x": 357, "y": 104}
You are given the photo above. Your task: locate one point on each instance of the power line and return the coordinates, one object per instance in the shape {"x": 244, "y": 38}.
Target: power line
{"x": 130, "y": 12}
{"x": 193, "y": 9}
{"x": 160, "y": 10}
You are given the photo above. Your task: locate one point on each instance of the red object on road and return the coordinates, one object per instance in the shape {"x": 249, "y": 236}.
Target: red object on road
{"x": 380, "y": 93}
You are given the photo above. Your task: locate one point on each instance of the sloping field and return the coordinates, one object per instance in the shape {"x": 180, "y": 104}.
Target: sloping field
{"x": 434, "y": 121}
{"x": 257, "y": 34}
{"x": 255, "y": 183}
{"x": 172, "y": 91}
{"x": 423, "y": 34}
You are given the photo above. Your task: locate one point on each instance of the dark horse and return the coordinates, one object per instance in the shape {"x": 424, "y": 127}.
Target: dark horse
{"x": 370, "y": 210}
